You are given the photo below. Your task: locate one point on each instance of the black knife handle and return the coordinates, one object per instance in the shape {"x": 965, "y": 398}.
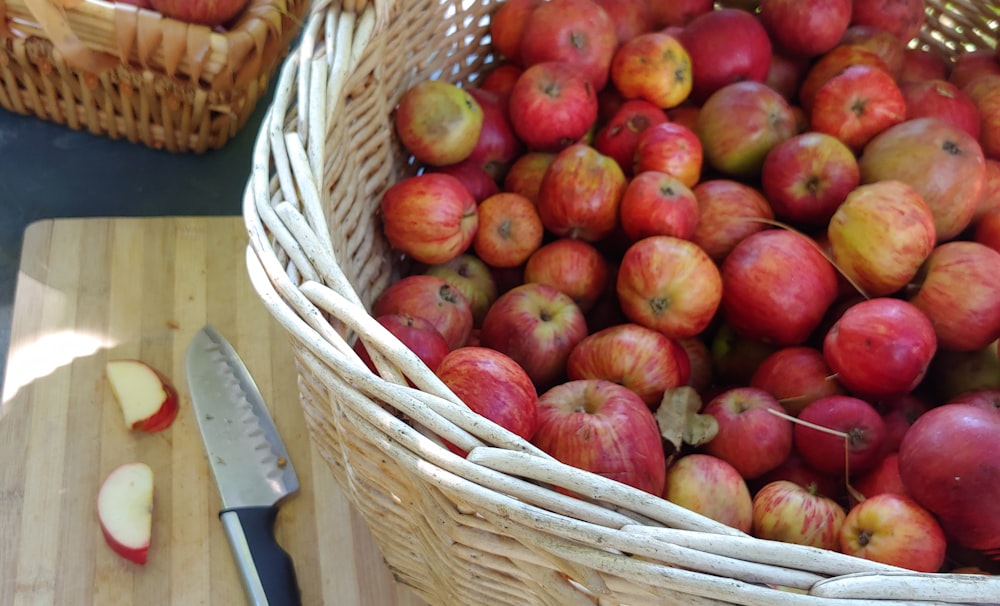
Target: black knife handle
{"x": 266, "y": 569}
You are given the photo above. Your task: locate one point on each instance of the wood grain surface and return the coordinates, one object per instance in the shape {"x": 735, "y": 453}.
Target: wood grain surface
{"x": 91, "y": 290}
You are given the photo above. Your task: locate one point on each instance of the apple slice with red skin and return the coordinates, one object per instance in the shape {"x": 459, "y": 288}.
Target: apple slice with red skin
{"x": 147, "y": 399}
{"x": 125, "y": 510}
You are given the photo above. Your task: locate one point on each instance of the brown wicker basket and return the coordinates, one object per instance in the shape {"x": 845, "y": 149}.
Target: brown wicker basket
{"x": 123, "y": 72}
{"x": 487, "y": 529}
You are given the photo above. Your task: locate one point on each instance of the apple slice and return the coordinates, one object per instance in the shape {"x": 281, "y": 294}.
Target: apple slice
{"x": 147, "y": 399}
{"x": 125, "y": 510}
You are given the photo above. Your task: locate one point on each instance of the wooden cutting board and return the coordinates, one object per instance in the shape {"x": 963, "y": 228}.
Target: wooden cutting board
{"x": 90, "y": 290}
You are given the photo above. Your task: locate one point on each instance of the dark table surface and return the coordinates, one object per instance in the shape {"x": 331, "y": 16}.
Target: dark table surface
{"x": 48, "y": 171}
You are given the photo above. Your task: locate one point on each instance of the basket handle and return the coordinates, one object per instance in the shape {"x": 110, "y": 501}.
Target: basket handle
{"x": 51, "y": 16}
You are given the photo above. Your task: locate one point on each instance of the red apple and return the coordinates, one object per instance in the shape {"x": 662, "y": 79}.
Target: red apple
{"x": 580, "y": 194}
{"x": 494, "y": 386}
{"x": 147, "y": 399}
{"x": 699, "y": 358}
{"x": 208, "y": 12}
{"x": 786, "y": 73}
{"x": 922, "y": 64}
{"x": 901, "y": 17}
{"x": 725, "y": 45}
{"x": 510, "y": 230}
{"x": 971, "y": 65}
{"x": 619, "y": 136}
{"x": 959, "y": 291}
{"x": 880, "y": 236}
{"x": 630, "y": 17}
{"x": 479, "y": 183}
{"x": 671, "y": 148}
{"x": 551, "y": 106}
{"x": 880, "y": 41}
{"x": 572, "y": 266}
{"x": 894, "y": 529}
{"x": 431, "y": 217}
{"x": 576, "y": 32}
{"x": 507, "y": 25}
{"x": 525, "y": 174}
{"x": 498, "y": 145}
{"x": 432, "y": 298}
{"x": 941, "y": 99}
{"x": 805, "y": 28}
{"x": 777, "y": 287}
{"x": 536, "y": 325}
{"x": 984, "y": 93}
{"x": 989, "y": 197}
{"x": 857, "y": 104}
{"x": 784, "y": 511}
{"x": 860, "y": 451}
{"x": 740, "y": 123}
{"x": 898, "y": 414}
{"x": 729, "y": 212}
{"x": 125, "y": 510}
{"x": 653, "y": 66}
{"x": 880, "y": 347}
{"x": 603, "y": 428}
{"x": 656, "y": 203}
{"x": 829, "y": 65}
{"x": 418, "y": 334}
{"x": 631, "y": 355}
{"x": 961, "y": 487}
{"x": 472, "y": 278}
{"x": 881, "y": 479}
{"x": 941, "y": 161}
{"x": 986, "y": 398}
{"x": 712, "y": 487}
{"x": 500, "y": 80}
{"x": 750, "y": 438}
{"x": 438, "y": 122}
{"x": 987, "y": 229}
{"x": 796, "y": 376}
{"x": 806, "y": 177}
{"x": 670, "y": 285}
{"x": 678, "y": 12}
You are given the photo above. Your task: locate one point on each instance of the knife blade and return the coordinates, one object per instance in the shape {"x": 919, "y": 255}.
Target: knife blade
{"x": 249, "y": 462}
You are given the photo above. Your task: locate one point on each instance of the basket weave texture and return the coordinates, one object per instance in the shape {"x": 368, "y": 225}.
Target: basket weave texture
{"x": 127, "y": 73}
{"x": 488, "y": 528}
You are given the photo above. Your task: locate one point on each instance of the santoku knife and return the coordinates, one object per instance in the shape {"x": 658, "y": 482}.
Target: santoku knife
{"x": 250, "y": 465}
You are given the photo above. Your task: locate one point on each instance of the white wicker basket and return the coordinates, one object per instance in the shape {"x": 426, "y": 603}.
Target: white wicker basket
{"x": 487, "y": 529}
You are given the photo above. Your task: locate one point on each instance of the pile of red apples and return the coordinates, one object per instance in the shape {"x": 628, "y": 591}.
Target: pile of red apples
{"x": 744, "y": 256}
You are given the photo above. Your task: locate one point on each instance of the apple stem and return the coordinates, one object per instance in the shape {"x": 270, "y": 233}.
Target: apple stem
{"x": 815, "y": 245}
{"x": 834, "y": 432}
